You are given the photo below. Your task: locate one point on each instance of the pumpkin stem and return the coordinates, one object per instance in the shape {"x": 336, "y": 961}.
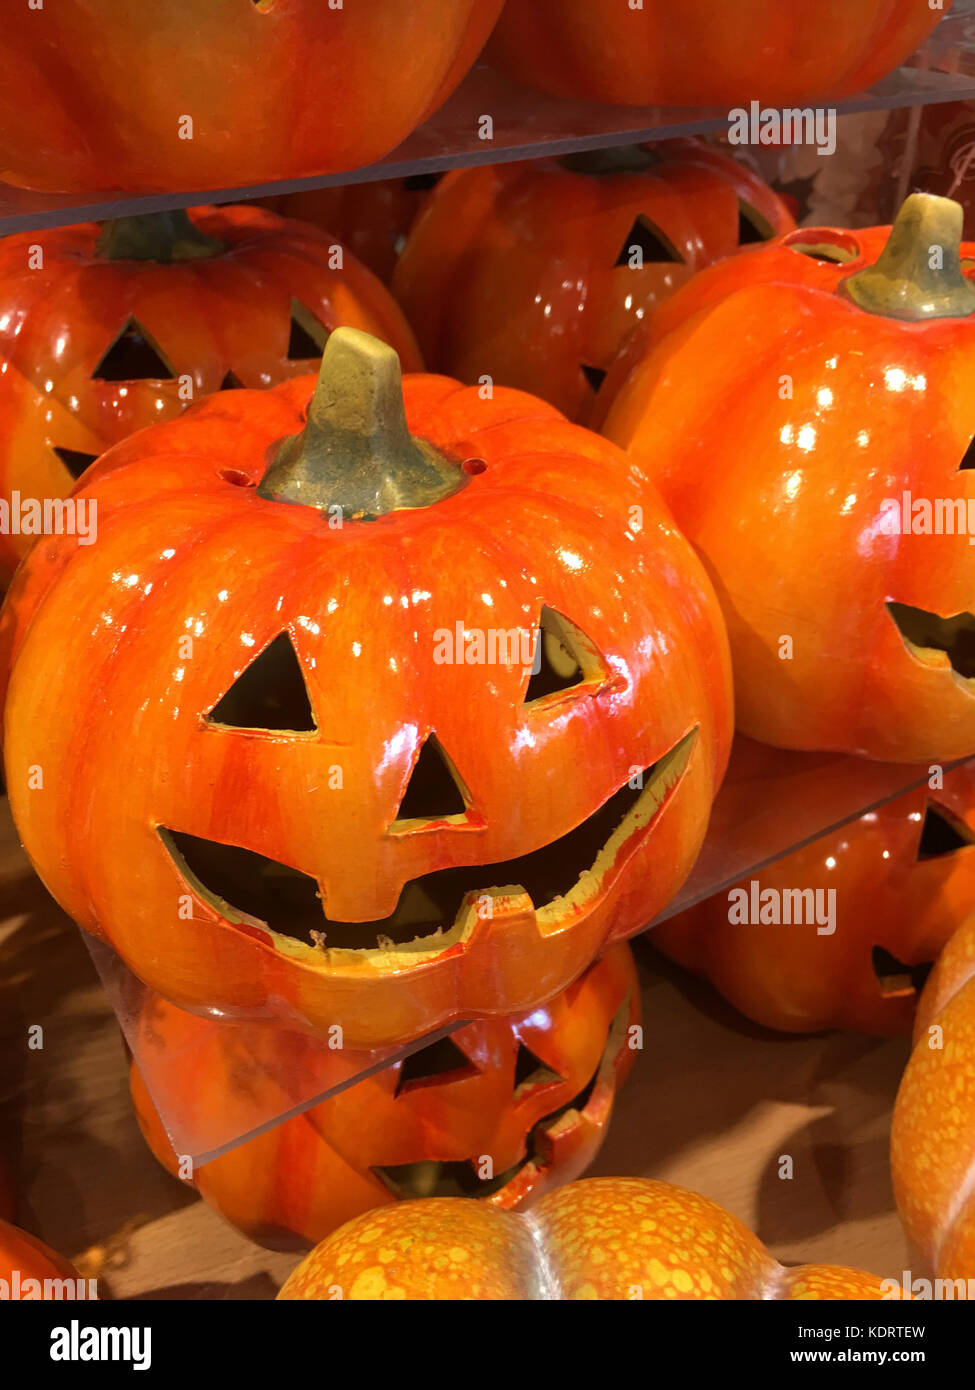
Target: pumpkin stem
{"x": 918, "y": 274}
{"x": 156, "y": 236}
{"x": 356, "y": 451}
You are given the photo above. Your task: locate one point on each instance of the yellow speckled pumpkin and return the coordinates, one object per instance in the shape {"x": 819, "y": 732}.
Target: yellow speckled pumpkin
{"x": 599, "y": 1239}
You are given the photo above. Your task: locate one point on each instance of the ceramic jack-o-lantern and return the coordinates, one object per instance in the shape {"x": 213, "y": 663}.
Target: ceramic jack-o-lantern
{"x": 849, "y": 924}
{"x": 808, "y": 419}
{"x": 535, "y": 274}
{"x": 932, "y": 1154}
{"x": 501, "y": 1110}
{"x": 283, "y": 737}
{"x": 106, "y": 330}
{"x": 224, "y": 94}
{"x": 707, "y": 52}
{"x": 601, "y": 1239}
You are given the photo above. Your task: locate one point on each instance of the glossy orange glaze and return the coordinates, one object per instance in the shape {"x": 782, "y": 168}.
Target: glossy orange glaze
{"x": 510, "y": 270}
{"x": 227, "y": 313}
{"x": 295, "y": 1184}
{"x": 89, "y": 99}
{"x": 933, "y": 1133}
{"x": 94, "y": 640}
{"x": 601, "y": 1239}
{"x": 797, "y": 979}
{"x": 371, "y": 219}
{"x": 703, "y": 53}
{"x": 24, "y": 1258}
{"x": 785, "y": 496}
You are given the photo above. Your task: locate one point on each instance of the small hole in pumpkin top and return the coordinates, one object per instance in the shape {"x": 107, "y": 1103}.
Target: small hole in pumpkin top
{"x": 595, "y": 376}
{"x": 968, "y": 460}
{"x": 232, "y": 382}
{"x": 942, "y": 834}
{"x": 645, "y": 244}
{"x": 270, "y": 694}
{"x": 824, "y": 245}
{"x": 475, "y": 466}
{"x": 234, "y": 475}
{"x": 437, "y": 1062}
{"x": 132, "y": 356}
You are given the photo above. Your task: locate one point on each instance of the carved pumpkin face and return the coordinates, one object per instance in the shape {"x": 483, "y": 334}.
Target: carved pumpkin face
{"x": 347, "y": 813}
{"x": 904, "y": 879}
{"x": 122, "y": 328}
{"x": 803, "y": 398}
{"x": 666, "y": 1243}
{"x": 700, "y": 53}
{"x": 534, "y": 274}
{"x": 932, "y": 1149}
{"x": 502, "y": 1109}
{"x": 233, "y": 94}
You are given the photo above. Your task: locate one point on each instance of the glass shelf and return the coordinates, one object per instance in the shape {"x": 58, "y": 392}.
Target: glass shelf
{"x": 772, "y": 803}
{"x": 526, "y": 125}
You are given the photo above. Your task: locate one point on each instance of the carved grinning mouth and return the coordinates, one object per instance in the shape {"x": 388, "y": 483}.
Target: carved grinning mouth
{"x": 460, "y": 1178}
{"x": 249, "y": 889}
{"x": 931, "y": 638}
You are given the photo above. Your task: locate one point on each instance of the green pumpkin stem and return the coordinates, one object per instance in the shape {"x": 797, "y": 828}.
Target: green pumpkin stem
{"x": 620, "y": 159}
{"x": 918, "y": 275}
{"x": 356, "y": 452}
{"x": 156, "y": 236}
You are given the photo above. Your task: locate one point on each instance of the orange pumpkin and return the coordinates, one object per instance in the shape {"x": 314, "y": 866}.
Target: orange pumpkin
{"x": 599, "y": 1239}
{"x": 933, "y": 1132}
{"x": 31, "y": 1270}
{"x": 903, "y": 876}
{"x": 702, "y": 53}
{"x": 278, "y": 780}
{"x": 534, "y": 274}
{"x": 229, "y": 94}
{"x": 502, "y": 1110}
{"x": 121, "y": 327}
{"x": 372, "y": 219}
{"x": 792, "y": 419}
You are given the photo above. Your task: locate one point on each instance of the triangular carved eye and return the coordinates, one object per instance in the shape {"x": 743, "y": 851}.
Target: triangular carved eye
{"x": 231, "y": 382}
{"x": 645, "y": 243}
{"x": 969, "y": 459}
{"x": 307, "y": 334}
{"x": 75, "y": 461}
{"x": 894, "y": 977}
{"x": 438, "y": 1062}
{"x": 434, "y": 791}
{"x": 531, "y": 1071}
{"x": 942, "y": 834}
{"x": 269, "y": 695}
{"x": 752, "y": 226}
{"x": 564, "y": 657}
{"x": 133, "y": 356}
{"x": 595, "y": 376}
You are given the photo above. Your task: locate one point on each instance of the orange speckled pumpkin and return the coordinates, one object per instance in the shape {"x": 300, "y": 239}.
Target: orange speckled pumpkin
{"x": 664, "y": 1242}
{"x": 531, "y": 1095}
{"x": 933, "y": 1134}
{"x": 372, "y": 219}
{"x": 706, "y": 52}
{"x": 904, "y": 878}
{"x": 27, "y": 1265}
{"x": 804, "y": 397}
{"x": 534, "y": 274}
{"x": 279, "y": 782}
{"x": 120, "y": 327}
{"x": 215, "y": 94}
